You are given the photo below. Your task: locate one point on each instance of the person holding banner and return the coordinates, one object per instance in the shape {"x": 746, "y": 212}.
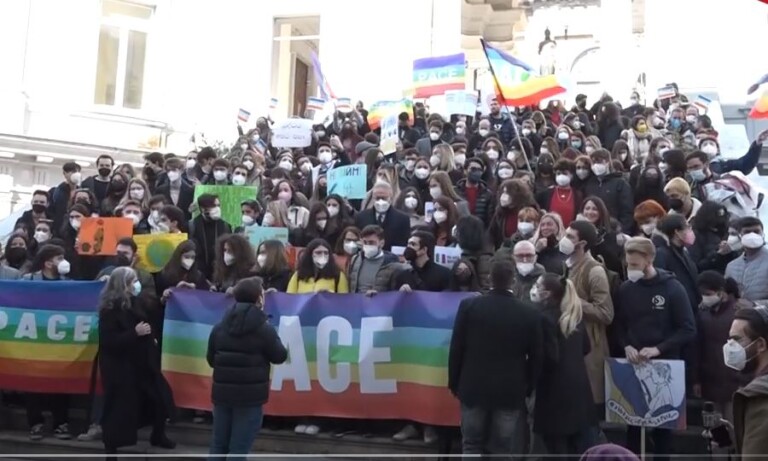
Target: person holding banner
{"x": 234, "y": 261}
{"x": 181, "y": 271}
{"x": 241, "y": 349}
{"x": 272, "y": 266}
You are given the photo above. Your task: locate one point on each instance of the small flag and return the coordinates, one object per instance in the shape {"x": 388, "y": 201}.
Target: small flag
{"x": 273, "y": 104}
{"x": 702, "y": 103}
{"x": 667, "y": 92}
{"x": 243, "y": 115}
{"x": 315, "y": 103}
{"x": 344, "y": 104}
{"x": 760, "y": 109}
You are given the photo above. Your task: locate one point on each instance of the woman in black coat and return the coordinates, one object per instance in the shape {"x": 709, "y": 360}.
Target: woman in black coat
{"x": 135, "y": 392}
{"x": 564, "y": 414}
{"x": 711, "y": 251}
{"x": 272, "y": 266}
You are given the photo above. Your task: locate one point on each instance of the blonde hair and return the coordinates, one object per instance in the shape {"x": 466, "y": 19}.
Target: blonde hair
{"x": 447, "y": 162}
{"x": 570, "y": 310}
{"x": 446, "y": 185}
{"x": 279, "y": 211}
{"x": 116, "y": 291}
{"x": 560, "y": 228}
{"x": 127, "y": 196}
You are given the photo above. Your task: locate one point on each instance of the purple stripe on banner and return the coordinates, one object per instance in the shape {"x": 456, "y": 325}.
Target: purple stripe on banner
{"x": 438, "y": 61}
{"x": 197, "y": 306}
{"x": 52, "y": 296}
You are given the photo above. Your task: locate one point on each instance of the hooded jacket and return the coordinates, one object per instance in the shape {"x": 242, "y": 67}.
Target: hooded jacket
{"x": 655, "y": 312}
{"x": 750, "y": 418}
{"x": 616, "y": 193}
{"x": 240, "y": 350}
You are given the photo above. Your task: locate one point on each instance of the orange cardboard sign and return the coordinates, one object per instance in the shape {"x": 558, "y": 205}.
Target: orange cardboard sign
{"x": 99, "y": 236}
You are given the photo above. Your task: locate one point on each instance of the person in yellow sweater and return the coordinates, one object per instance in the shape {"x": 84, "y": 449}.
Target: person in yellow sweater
{"x": 317, "y": 271}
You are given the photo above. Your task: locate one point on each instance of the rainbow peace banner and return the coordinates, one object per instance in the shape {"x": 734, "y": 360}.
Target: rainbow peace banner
{"x": 350, "y": 356}
{"x": 48, "y": 335}
{"x": 381, "y": 109}
{"x": 434, "y": 76}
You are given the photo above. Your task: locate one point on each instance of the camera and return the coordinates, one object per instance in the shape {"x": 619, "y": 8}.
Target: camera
{"x": 716, "y": 429}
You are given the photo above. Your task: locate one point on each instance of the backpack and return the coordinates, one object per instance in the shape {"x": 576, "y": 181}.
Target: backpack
{"x": 737, "y": 193}
{"x": 614, "y": 280}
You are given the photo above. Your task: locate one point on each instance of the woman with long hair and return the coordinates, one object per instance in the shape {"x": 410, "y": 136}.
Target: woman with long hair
{"x": 444, "y": 218}
{"x": 137, "y": 191}
{"x": 17, "y": 251}
{"x": 443, "y": 159}
{"x": 181, "y": 271}
{"x": 609, "y": 247}
{"x": 118, "y": 184}
{"x": 546, "y": 238}
{"x": 297, "y": 204}
{"x": 564, "y": 413}
{"x": 317, "y": 271}
{"x": 272, "y": 265}
{"x": 711, "y": 251}
{"x": 512, "y": 196}
{"x": 234, "y": 261}
{"x": 317, "y": 225}
{"x": 440, "y": 185}
{"x": 338, "y": 217}
{"x": 410, "y": 203}
{"x": 86, "y": 198}
{"x": 129, "y": 361}
{"x": 649, "y": 185}
{"x": 420, "y": 180}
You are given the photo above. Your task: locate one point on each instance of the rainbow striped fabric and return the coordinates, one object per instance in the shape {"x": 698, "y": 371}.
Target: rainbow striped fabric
{"x": 381, "y": 357}
{"x": 760, "y": 109}
{"x": 48, "y": 335}
{"x": 434, "y": 76}
{"x": 516, "y": 82}
{"x": 381, "y": 109}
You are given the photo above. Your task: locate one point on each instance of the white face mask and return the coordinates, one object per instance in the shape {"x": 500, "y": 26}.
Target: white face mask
{"x": 320, "y": 261}
{"x": 325, "y": 157}
{"x": 710, "y": 300}
{"x": 322, "y": 223}
{"x": 370, "y": 251}
{"x": 526, "y": 131}
{"x": 544, "y": 150}
{"x": 411, "y": 203}
{"x": 75, "y": 178}
{"x": 563, "y": 180}
{"x": 752, "y": 241}
{"x": 734, "y": 242}
{"x": 306, "y": 167}
{"x": 709, "y": 149}
{"x": 219, "y": 175}
{"x": 690, "y": 118}
{"x": 351, "y": 248}
{"x": 287, "y": 165}
{"x": 42, "y": 237}
{"x": 566, "y": 247}
{"x": 75, "y": 223}
{"x": 482, "y": 132}
{"x": 137, "y": 194}
{"x": 459, "y": 160}
{"x": 136, "y": 218}
{"x": 582, "y": 173}
{"x": 435, "y": 192}
{"x": 525, "y": 228}
{"x": 238, "y": 180}
{"x": 434, "y": 161}
{"x": 623, "y": 156}
{"x": 381, "y": 205}
{"x": 505, "y": 200}
{"x": 589, "y": 149}
{"x": 440, "y": 216}
{"x": 186, "y": 263}
{"x": 173, "y": 176}
{"x": 434, "y": 136}
{"x": 410, "y": 164}
{"x": 422, "y": 173}
{"x": 333, "y": 211}
{"x": 633, "y": 275}
{"x": 492, "y": 154}
{"x": 534, "y": 294}
{"x": 246, "y": 220}
{"x": 506, "y": 173}
{"x": 248, "y": 165}
{"x": 261, "y": 260}
{"x": 229, "y": 259}
{"x": 562, "y": 136}
{"x": 512, "y": 155}
{"x": 735, "y": 355}
{"x": 63, "y": 267}
{"x": 648, "y": 228}
{"x": 215, "y": 213}
{"x": 524, "y": 268}
{"x": 191, "y": 164}
{"x": 599, "y": 169}
{"x": 662, "y": 150}
{"x": 459, "y": 130}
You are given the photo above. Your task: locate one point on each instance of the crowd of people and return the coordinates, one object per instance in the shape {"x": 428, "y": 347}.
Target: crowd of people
{"x": 602, "y": 217}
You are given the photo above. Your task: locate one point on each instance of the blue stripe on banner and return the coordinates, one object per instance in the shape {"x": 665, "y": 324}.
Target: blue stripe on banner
{"x": 42, "y": 316}
{"x": 53, "y": 296}
{"x": 197, "y": 306}
{"x": 438, "y": 61}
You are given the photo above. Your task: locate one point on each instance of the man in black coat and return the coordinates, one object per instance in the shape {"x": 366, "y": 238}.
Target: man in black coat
{"x": 495, "y": 359}
{"x": 396, "y": 224}
{"x": 177, "y": 191}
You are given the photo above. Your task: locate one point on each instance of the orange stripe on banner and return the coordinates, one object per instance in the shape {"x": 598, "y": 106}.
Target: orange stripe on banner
{"x": 423, "y": 404}
{"x": 46, "y": 369}
{"x": 44, "y": 385}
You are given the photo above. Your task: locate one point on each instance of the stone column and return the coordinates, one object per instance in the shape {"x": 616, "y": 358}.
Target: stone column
{"x": 284, "y": 72}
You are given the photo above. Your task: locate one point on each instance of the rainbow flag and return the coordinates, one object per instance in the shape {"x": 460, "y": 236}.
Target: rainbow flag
{"x": 516, "y": 82}
{"x": 48, "y": 335}
{"x": 381, "y": 109}
{"x": 434, "y": 76}
{"x": 760, "y": 109}
{"x": 351, "y": 356}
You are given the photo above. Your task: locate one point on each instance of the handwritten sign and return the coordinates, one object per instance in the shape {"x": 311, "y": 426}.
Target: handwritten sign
{"x": 292, "y": 132}
{"x": 257, "y": 234}
{"x": 461, "y": 102}
{"x": 348, "y": 181}
{"x": 99, "y": 236}
{"x": 389, "y": 133}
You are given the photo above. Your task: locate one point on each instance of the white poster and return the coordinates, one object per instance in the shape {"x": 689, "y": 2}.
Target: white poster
{"x": 292, "y": 132}
{"x": 461, "y": 102}
{"x": 447, "y": 256}
{"x": 389, "y": 136}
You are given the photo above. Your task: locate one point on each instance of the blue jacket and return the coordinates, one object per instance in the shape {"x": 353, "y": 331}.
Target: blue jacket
{"x": 503, "y": 126}
{"x": 655, "y": 313}
{"x": 745, "y": 164}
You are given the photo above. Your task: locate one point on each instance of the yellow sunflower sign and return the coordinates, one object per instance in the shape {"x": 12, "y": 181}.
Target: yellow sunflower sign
{"x": 155, "y": 250}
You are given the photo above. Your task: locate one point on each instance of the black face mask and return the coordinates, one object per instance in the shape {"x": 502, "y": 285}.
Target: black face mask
{"x": 39, "y": 209}
{"x": 410, "y": 254}
{"x": 676, "y": 204}
{"x": 103, "y": 172}
{"x": 651, "y": 181}
{"x": 475, "y": 176}
{"x": 545, "y": 168}
{"x": 16, "y": 256}
{"x": 122, "y": 260}
{"x": 118, "y": 188}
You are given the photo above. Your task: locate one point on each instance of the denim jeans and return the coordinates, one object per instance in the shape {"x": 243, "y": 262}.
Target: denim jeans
{"x": 493, "y": 432}
{"x": 234, "y": 430}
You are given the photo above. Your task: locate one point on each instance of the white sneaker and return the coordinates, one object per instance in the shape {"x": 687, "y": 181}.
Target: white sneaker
{"x": 312, "y": 430}
{"x": 94, "y": 433}
{"x": 430, "y": 435}
{"x": 300, "y": 429}
{"x": 406, "y": 433}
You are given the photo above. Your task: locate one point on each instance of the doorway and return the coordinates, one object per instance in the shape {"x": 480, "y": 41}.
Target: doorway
{"x": 300, "y": 86}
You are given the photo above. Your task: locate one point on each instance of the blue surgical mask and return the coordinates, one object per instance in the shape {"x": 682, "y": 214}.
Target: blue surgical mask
{"x": 136, "y": 288}
{"x": 576, "y": 144}
{"x": 675, "y": 123}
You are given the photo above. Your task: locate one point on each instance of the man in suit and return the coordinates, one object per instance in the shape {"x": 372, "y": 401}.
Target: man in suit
{"x": 495, "y": 359}
{"x": 396, "y": 224}
{"x": 176, "y": 191}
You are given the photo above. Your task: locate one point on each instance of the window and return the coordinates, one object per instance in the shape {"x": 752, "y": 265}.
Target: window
{"x": 122, "y": 54}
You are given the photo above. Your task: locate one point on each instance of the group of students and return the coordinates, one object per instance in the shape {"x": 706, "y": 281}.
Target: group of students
{"x": 556, "y": 193}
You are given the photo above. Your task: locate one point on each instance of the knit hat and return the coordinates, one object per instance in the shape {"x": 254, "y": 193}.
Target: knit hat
{"x": 679, "y": 186}
{"x": 640, "y": 245}
{"x": 609, "y": 452}
{"x": 363, "y": 146}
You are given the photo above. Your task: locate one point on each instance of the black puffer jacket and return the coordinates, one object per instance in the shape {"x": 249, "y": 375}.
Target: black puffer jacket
{"x": 240, "y": 350}
{"x": 484, "y": 205}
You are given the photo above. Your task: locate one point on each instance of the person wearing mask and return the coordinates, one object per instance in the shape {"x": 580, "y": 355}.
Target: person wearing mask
{"x": 747, "y": 351}
{"x": 316, "y": 271}
{"x": 527, "y": 270}
{"x": 479, "y": 137}
{"x": 48, "y": 265}
{"x": 156, "y": 204}
{"x": 611, "y": 188}
{"x": 471, "y": 237}
{"x": 650, "y": 186}
{"x": 713, "y": 380}
{"x": 420, "y": 180}
{"x": 505, "y": 171}
{"x": 116, "y": 189}
{"x": 39, "y": 211}
{"x": 129, "y": 365}
{"x": 171, "y": 221}
{"x": 745, "y": 164}
{"x": 672, "y": 238}
{"x": 339, "y": 217}
{"x": 425, "y": 274}
{"x": 545, "y": 240}
{"x": 749, "y": 270}
{"x": 61, "y": 194}
{"x": 317, "y": 226}
{"x": 407, "y": 135}
{"x": 673, "y": 164}
{"x": 348, "y": 245}
{"x": 206, "y": 230}
{"x": 234, "y": 261}
{"x": 251, "y": 212}
{"x": 493, "y": 150}
{"x": 272, "y": 266}
{"x": 545, "y": 173}
{"x": 513, "y": 195}
{"x": 296, "y": 203}
{"x": 153, "y": 172}
{"x": 495, "y": 359}
{"x": 654, "y": 322}
{"x": 220, "y": 173}
{"x": 240, "y": 175}
{"x": 425, "y": 146}
{"x": 396, "y": 224}
{"x": 410, "y": 204}
{"x": 700, "y": 174}
{"x": 710, "y": 250}
{"x": 203, "y": 169}
{"x": 126, "y": 256}
{"x": 369, "y": 271}
{"x": 99, "y": 183}
{"x": 563, "y": 411}
{"x": 138, "y": 191}
{"x": 562, "y": 198}
{"x": 181, "y": 272}
{"x": 133, "y": 211}
{"x": 577, "y": 141}
{"x": 679, "y": 199}
{"x": 528, "y": 132}
{"x": 639, "y": 138}
{"x": 177, "y": 192}
{"x": 591, "y": 282}
{"x": 8, "y": 272}
{"x": 408, "y": 167}
{"x": 527, "y": 222}
{"x": 583, "y": 172}
{"x": 647, "y": 215}
{"x": 444, "y": 219}
{"x": 609, "y": 244}
{"x": 501, "y": 123}
{"x": 241, "y": 349}
{"x": 443, "y": 159}
{"x": 16, "y": 251}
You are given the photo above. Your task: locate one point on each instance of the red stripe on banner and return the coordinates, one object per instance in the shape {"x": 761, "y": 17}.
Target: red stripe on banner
{"x": 415, "y": 402}
{"x": 45, "y": 385}
{"x": 534, "y": 98}
{"x": 48, "y": 369}
{"x": 436, "y": 90}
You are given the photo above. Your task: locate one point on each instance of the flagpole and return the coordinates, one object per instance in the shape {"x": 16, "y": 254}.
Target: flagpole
{"x": 506, "y": 108}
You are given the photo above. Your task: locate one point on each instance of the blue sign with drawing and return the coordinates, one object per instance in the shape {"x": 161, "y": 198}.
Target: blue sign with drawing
{"x": 348, "y": 181}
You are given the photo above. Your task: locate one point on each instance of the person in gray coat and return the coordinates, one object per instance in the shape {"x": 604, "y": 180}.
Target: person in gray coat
{"x": 749, "y": 270}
